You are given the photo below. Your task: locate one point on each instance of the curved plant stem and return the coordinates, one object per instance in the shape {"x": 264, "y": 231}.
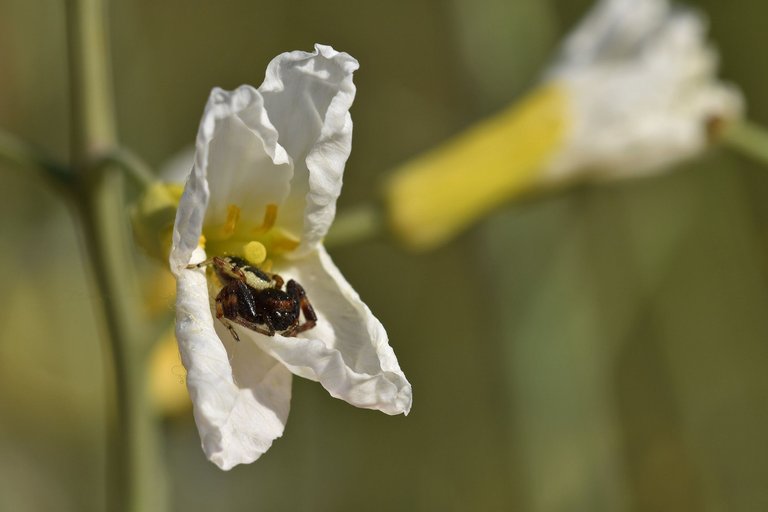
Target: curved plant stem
{"x": 132, "y": 165}
{"x": 749, "y": 138}
{"x": 354, "y": 225}
{"x": 19, "y": 153}
{"x": 135, "y": 477}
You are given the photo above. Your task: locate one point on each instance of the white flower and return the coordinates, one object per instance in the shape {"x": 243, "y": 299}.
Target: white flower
{"x": 643, "y": 89}
{"x": 268, "y": 170}
{"x": 633, "y": 91}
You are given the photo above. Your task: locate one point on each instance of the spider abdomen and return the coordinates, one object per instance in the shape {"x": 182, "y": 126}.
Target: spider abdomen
{"x": 281, "y": 308}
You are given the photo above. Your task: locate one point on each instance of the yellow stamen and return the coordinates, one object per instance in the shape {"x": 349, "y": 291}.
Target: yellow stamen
{"x": 255, "y": 252}
{"x": 236, "y": 237}
{"x": 283, "y": 243}
{"x": 436, "y": 195}
{"x": 270, "y": 217}
{"x": 233, "y": 217}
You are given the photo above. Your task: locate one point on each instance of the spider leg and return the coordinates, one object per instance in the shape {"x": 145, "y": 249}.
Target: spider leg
{"x": 225, "y": 270}
{"x": 269, "y": 331}
{"x": 202, "y": 264}
{"x": 310, "y": 317}
{"x": 222, "y": 317}
{"x": 226, "y": 308}
{"x": 231, "y": 329}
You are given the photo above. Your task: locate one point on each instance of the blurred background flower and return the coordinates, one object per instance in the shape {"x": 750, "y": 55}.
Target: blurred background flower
{"x": 599, "y": 350}
{"x": 633, "y": 90}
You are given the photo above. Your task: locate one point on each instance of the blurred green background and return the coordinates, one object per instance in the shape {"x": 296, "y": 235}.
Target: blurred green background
{"x": 600, "y": 349}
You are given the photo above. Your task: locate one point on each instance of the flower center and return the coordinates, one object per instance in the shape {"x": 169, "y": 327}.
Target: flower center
{"x": 255, "y": 243}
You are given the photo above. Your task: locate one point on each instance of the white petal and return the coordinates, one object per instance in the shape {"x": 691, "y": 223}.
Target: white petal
{"x": 189, "y": 220}
{"x": 245, "y": 164}
{"x": 612, "y": 30}
{"x": 237, "y": 161}
{"x": 308, "y": 96}
{"x": 241, "y": 396}
{"x": 348, "y": 350}
{"x": 642, "y": 87}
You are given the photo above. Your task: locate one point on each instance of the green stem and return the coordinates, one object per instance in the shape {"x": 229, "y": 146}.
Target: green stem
{"x": 355, "y": 225}
{"x": 136, "y": 478}
{"x": 749, "y": 138}
{"x": 133, "y": 166}
{"x": 19, "y": 153}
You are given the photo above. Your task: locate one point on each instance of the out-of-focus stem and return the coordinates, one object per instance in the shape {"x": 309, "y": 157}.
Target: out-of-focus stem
{"x": 133, "y": 166}
{"x": 749, "y": 138}
{"x": 18, "y": 153}
{"x": 355, "y": 225}
{"x": 93, "y": 129}
{"x": 135, "y": 472}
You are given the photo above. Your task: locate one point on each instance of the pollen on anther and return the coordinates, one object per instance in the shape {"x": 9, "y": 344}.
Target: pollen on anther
{"x": 255, "y": 252}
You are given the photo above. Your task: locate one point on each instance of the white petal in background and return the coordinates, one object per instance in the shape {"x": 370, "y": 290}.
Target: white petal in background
{"x": 642, "y": 87}
{"x": 613, "y": 30}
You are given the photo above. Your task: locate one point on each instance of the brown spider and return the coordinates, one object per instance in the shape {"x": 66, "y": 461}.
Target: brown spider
{"x": 253, "y": 298}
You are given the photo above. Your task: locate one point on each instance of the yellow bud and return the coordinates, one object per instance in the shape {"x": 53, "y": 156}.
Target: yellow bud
{"x": 153, "y": 216}
{"x": 166, "y": 377}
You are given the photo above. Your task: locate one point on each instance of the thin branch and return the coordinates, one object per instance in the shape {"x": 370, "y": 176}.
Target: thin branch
{"x": 136, "y": 479}
{"x": 355, "y": 225}
{"x": 21, "y": 154}
{"x": 133, "y": 166}
{"x": 748, "y": 138}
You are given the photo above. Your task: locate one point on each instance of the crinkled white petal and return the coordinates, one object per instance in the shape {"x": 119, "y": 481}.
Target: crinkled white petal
{"x": 241, "y": 396}
{"x": 642, "y": 87}
{"x": 348, "y": 350}
{"x": 245, "y": 164}
{"x": 189, "y": 220}
{"x": 237, "y": 161}
{"x": 285, "y": 143}
{"x": 308, "y": 97}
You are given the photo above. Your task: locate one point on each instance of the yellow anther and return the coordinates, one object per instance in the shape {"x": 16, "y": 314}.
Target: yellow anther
{"x": 255, "y": 252}
{"x": 281, "y": 241}
{"x": 201, "y": 241}
{"x": 270, "y": 217}
{"x": 233, "y": 216}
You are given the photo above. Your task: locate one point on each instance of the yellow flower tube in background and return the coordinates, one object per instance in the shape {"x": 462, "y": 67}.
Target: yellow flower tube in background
{"x": 633, "y": 90}
{"x": 439, "y": 193}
